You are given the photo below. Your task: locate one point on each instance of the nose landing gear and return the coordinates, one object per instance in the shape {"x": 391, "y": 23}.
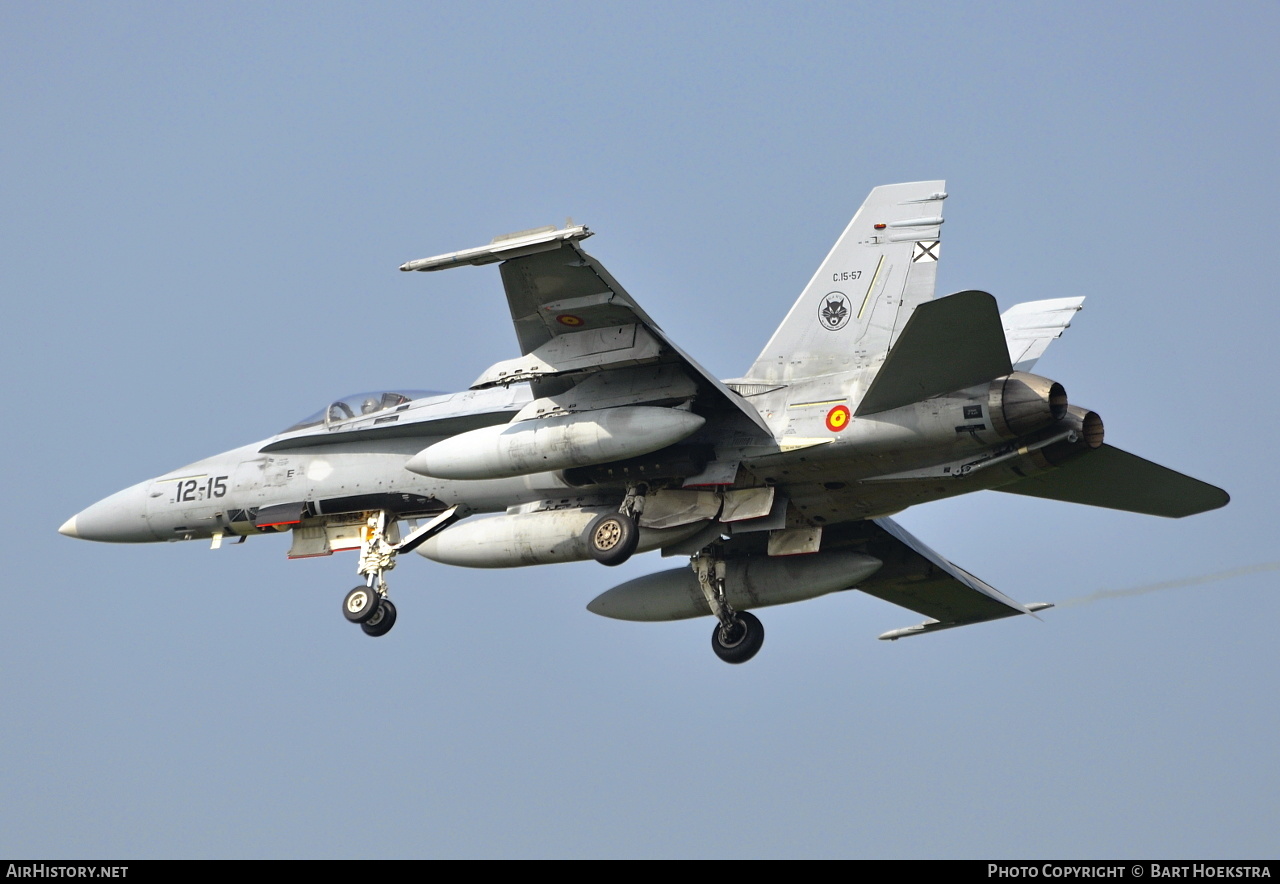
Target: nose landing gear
{"x": 368, "y": 605}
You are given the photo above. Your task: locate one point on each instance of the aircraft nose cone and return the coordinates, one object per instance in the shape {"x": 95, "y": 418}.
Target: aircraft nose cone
{"x": 120, "y": 518}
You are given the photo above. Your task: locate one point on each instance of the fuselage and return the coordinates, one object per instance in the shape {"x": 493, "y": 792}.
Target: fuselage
{"x": 831, "y": 464}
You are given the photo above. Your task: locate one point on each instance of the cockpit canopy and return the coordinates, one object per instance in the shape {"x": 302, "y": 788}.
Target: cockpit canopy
{"x": 360, "y": 405}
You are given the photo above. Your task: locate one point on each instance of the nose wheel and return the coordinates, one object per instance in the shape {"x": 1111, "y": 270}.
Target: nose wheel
{"x": 361, "y": 604}
{"x": 382, "y": 620}
{"x": 374, "y": 612}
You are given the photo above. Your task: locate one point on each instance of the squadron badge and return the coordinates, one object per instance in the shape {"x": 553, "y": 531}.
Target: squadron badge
{"x": 834, "y": 311}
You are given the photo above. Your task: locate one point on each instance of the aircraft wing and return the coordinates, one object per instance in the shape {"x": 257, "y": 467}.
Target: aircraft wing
{"x": 571, "y": 316}
{"x": 912, "y": 575}
{"x": 919, "y": 579}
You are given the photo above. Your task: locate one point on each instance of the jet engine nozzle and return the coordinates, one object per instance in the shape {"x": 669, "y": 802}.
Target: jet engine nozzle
{"x": 1021, "y": 403}
{"x": 1089, "y": 434}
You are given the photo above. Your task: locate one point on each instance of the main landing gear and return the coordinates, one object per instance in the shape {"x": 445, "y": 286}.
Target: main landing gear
{"x": 612, "y": 537}
{"x": 368, "y": 605}
{"x": 737, "y": 635}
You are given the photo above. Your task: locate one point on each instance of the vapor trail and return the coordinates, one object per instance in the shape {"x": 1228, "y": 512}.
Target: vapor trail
{"x": 1168, "y": 584}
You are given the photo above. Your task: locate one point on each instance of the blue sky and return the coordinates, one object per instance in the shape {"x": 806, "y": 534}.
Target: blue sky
{"x": 206, "y": 207}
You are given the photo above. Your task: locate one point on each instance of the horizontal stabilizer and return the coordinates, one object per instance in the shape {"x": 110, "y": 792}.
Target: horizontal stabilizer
{"x": 948, "y": 344}
{"x": 1118, "y": 480}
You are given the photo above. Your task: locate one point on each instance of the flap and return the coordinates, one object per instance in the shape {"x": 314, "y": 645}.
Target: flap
{"x": 593, "y": 349}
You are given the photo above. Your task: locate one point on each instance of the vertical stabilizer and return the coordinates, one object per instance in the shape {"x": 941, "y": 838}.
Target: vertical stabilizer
{"x": 881, "y": 268}
{"x": 1031, "y": 327}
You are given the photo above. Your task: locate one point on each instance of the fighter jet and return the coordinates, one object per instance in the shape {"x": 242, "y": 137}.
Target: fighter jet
{"x": 603, "y": 439}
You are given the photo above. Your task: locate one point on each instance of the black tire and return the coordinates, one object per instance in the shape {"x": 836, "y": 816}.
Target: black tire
{"x": 360, "y": 604}
{"x": 381, "y": 622}
{"x": 738, "y": 642}
{"x": 612, "y": 538}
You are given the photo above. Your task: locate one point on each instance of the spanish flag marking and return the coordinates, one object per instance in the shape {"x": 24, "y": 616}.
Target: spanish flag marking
{"x": 838, "y": 418}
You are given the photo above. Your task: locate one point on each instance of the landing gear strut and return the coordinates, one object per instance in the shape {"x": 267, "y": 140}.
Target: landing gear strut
{"x": 737, "y": 635}
{"x": 368, "y": 605}
{"x": 612, "y": 537}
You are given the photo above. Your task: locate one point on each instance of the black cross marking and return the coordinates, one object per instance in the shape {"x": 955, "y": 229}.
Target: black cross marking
{"x": 926, "y": 249}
